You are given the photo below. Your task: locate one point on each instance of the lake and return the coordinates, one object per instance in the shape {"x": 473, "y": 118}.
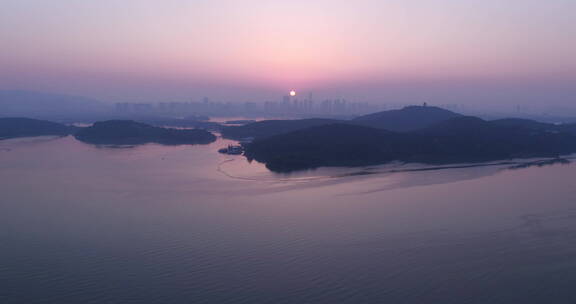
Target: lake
{"x": 184, "y": 224}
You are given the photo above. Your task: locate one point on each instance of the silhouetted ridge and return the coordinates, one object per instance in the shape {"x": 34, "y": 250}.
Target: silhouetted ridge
{"x": 406, "y": 119}
{"x": 525, "y": 123}
{"x": 461, "y": 139}
{"x": 130, "y": 132}
{"x": 24, "y": 127}
{"x": 181, "y": 123}
{"x": 267, "y": 128}
{"x": 332, "y": 145}
{"x": 463, "y": 125}
{"x": 570, "y": 128}
{"x": 473, "y": 139}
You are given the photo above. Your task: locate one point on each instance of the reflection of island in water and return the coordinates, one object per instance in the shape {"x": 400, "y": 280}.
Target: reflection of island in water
{"x": 424, "y": 176}
{"x": 380, "y": 178}
{"x": 542, "y": 163}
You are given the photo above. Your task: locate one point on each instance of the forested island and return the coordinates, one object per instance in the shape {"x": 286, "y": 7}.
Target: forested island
{"x": 113, "y": 132}
{"x": 454, "y": 139}
{"x": 412, "y": 134}
{"x": 13, "y": 127}
{"x": 128, "y": 132}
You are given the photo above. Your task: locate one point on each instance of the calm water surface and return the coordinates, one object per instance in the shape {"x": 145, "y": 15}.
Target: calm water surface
{"x": 183, "y": 224}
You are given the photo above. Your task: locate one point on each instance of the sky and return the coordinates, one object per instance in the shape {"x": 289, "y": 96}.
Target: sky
{"x": 440, "y": 51}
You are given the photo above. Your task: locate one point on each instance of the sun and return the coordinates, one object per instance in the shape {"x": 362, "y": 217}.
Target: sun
{"x": 292, "y": 93}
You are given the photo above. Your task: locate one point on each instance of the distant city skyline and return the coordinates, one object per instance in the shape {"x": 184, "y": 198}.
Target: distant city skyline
{"x": 489, "y": 52}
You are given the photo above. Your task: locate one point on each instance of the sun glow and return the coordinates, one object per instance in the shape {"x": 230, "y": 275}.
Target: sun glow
{"x": 292, "y": 93}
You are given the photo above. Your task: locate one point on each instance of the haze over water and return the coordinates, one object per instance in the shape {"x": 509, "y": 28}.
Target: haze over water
{"x": 181, "y": 224}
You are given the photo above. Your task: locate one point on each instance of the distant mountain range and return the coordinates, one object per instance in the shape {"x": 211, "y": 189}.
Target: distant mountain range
{"x": 38, "y": 104}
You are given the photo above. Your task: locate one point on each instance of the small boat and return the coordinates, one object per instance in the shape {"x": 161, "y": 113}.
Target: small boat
{"x": 232, "y": 149}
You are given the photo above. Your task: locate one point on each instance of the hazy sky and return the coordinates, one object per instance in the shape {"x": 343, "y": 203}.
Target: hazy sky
{"x": 466, "y": 51}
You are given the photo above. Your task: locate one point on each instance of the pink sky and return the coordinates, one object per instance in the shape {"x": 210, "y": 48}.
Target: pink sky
{"x": 256, "y": 50}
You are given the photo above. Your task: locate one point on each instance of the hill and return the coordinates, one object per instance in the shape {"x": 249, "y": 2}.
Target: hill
{"x": 267, "y": 128}
{"x": 406, "y": 119}
{"x": 461, "y": 139}
{"x": 526, "y": 123}
{"x": 127, "y": 132}
{"x": 333, "y": 145}
{"x": 473, "y": 139}
{"x": 181, "y": 123}
{"x": 403, "y": 120}
{"x": 24, "y": 127}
